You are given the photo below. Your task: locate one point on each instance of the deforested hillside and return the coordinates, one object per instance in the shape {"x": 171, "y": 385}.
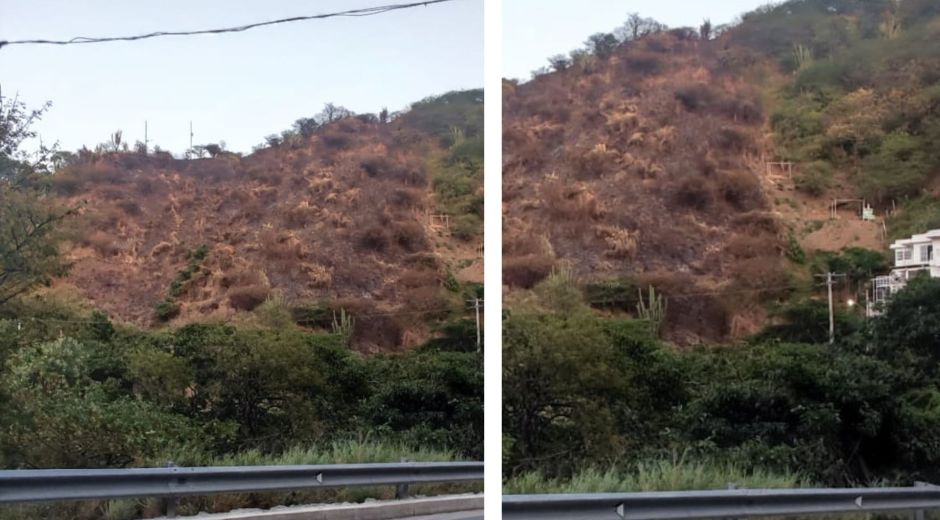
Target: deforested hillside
{"x": 642, "y": 162}
{"x": 652, "y": 157}
{"x": 373, "y": 216}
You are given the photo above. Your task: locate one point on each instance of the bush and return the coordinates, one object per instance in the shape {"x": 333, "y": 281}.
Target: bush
{"x": 410, "y": 236}
{"x": 618, "y": 294}
{"x": 732, "y": 139}
{"x": 696, "y": 97}
{"x": 741, "y": 189}
{"x": 815, "y": 179}
{"x": 335, "y": 141}
{"x": 375, "y": 238}
{"x": 167, "y": 309}
{"x": 249, "y": 297}
{"x": 467, "y": 227}
{"x": 694, "y": 193}
{"x": 646, "y": 64}
{"x": 526, "y": 271}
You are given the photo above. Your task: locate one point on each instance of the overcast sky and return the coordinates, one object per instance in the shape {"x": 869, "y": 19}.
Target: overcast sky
{"x": 235, "y": 87}
{"x": 533, "y": 30}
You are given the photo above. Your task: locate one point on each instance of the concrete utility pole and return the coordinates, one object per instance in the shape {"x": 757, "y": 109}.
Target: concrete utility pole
{"x": 832, "y": 321}
{"x": 477, "y": 304}
{"x": 146, "y": 139}
{"x": 190, "y": 135}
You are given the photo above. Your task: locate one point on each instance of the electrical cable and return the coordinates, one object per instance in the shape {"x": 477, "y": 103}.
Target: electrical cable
{"x": 368, "y": 11}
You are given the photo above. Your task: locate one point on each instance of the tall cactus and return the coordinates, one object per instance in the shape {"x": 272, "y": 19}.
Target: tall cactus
{"x": 652, "y": 309}
{"x": 803, "y": 55}
{"x": 343, "y": 325}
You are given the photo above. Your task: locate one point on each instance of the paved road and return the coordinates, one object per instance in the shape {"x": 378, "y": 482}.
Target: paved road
{"x": 464, "y": 515}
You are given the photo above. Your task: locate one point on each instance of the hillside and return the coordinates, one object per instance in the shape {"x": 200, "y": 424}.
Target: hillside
{"x": 337, "y": 217}
{"x": 644, "y": 161}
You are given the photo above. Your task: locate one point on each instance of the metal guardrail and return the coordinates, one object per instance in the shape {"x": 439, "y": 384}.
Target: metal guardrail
{"x": 735, "y": 503}
{"x": 18, "y": 486}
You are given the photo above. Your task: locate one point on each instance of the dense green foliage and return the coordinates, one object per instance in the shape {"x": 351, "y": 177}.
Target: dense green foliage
{"x": 79, "y": 392}
{"x": 586, "y": 391}
{"x": 865, "y": 96}
{"x": 456, "y": 118}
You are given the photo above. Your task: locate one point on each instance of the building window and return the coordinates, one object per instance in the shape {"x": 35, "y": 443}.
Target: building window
{"x": 902, "y": 255}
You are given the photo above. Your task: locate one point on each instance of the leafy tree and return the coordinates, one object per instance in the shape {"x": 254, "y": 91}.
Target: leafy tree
{"x": 602, "y": 44}
{"x": 306, "y": 126}
{"x": 558, "y": 372}
{"x": 909, "y": 329}
{"x": 332, "y": 112}
{"x": 637, "y": 26}
{"x": 29, "y": 253}
{"x": 560, "y": 62}
{"x": 705, "y": 30}
{"x": 28, "y": 242}
{"x": 17, "y": 167}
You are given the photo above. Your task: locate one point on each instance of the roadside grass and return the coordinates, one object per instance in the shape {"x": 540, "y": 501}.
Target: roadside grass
{"x": 667, "y": 474}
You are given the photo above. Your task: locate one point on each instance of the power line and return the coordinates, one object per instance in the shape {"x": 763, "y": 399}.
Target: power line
{"x": 367, "y": 11}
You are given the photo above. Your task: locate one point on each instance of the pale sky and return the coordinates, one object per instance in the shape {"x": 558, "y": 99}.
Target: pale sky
{"x": 234, "y": 87}
{"x": 534, "y": 30}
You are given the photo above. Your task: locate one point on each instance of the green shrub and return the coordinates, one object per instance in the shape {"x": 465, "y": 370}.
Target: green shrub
{"x": 166, "y": 310}
{"x": 815, "y": 179}
{"x": 467, "y": 227}
{"x": 794, "y": 252}
{"x": 612, "y": 294}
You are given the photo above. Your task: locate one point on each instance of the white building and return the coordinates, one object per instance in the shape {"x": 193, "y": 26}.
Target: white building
{"x": 911, "y": 256}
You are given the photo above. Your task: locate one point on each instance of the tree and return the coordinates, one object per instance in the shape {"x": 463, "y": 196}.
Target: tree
{"x": 705, "y": 30}
{"x": 306, "y": 126}
{"x": 602, "y": 44}
{"x": 383, "y": 115}
{"x": 28, "y": 245}
{"x": 17, "y": 167}
{"x": 560, "y": 62}
{"x": 332, "y": 112}
{"x": 636, "y": 27}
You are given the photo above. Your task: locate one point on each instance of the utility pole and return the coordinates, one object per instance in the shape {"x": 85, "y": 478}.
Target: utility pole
{"x": 190, "y": 135}
{"x": 832, "y": 321}
{"x": 146, "y": 139}
{"x": 477, "y": 304}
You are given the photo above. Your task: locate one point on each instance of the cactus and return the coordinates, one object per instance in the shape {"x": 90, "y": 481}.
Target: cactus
{"x": 343, "y": 324}
{"x": 803, "y": 55}
{"x": 653, "y": 308}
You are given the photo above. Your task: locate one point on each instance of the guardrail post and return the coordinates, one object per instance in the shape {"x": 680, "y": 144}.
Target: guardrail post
{"x": 732, "y": 486}
{"x": 919, "y": 514}
{"x": 401, "y": 490}
{"x": 170, "y": 503}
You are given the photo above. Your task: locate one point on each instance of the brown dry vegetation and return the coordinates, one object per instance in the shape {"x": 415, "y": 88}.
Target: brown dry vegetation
{"x": 338, "y": 217}
{"x": 642, "y": 163}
